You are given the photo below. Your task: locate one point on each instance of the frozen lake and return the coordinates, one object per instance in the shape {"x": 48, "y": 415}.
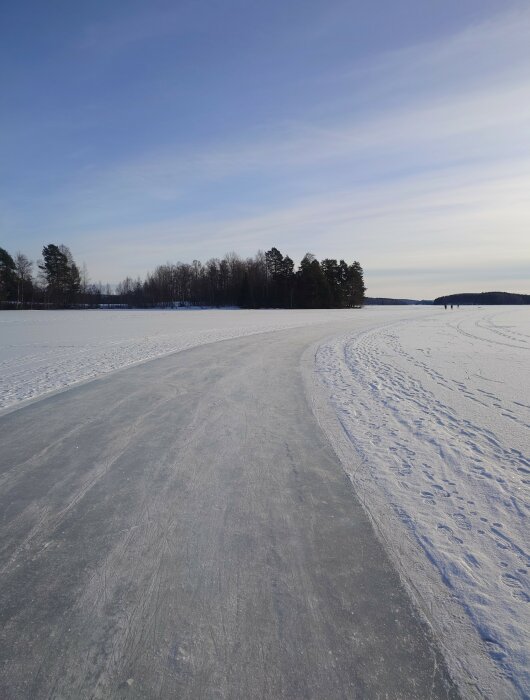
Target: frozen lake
{"x": 183, "y": 529}
{"x": 41, "y": 352}
{"x": 432, "y": 424}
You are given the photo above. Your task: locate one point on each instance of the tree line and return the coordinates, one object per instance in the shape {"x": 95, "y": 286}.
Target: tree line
{"x": 485, "y": 298}
{"x": 58, "y": 281}
{"x": 268, "y": 279}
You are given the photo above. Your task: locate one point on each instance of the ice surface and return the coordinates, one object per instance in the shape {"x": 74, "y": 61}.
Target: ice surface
{"x": 437, "y": 408}
{"x": 43, "y": 351}
{"x": 435, "y": 405}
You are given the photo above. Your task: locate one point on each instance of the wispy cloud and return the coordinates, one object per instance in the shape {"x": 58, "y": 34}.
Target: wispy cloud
{"x": 463, "y": 97}
{"x": 454, "y": 222}
{"x": 488, "y": 52}
{"x": 409, "y": 157}
{"x": 114, "y": 35}
{"x": 494, "y": 120}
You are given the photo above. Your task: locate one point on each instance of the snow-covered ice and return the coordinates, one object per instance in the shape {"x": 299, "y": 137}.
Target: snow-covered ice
{"x": 44, "y": 351}
{"x": 436, "y": 407}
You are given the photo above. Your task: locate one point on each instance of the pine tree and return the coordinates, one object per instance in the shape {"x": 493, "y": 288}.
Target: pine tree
{"x": 312, "y": 287}
{"x": 61, "y": 274}
{"x": 357, "y": 288}
{"x": 8, "y": 284}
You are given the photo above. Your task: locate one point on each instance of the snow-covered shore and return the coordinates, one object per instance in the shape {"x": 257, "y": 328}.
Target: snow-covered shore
{"x": 436, "y": 409}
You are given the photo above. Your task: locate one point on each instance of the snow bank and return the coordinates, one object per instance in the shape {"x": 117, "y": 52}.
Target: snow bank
{"x": 43, "y": 351}
{"x": 437, "y": 410}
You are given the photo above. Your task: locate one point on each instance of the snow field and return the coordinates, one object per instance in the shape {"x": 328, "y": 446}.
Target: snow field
{"x": 435, "y": 406}
{"x": 44, "y": 351}
{"x": 437, "y": 410}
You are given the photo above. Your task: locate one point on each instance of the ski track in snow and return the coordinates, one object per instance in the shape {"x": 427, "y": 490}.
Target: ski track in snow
{"x": 45, "y": 351}
{"x": 438, "y": 410}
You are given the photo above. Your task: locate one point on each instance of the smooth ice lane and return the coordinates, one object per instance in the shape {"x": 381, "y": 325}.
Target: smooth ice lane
{"x": 183, "y": 529}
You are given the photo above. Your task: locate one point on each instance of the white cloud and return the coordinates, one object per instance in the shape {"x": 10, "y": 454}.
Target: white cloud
{"x": 445, "y": 221}
{"x": 464, "y": 95}
{"x": 433, "y": 173}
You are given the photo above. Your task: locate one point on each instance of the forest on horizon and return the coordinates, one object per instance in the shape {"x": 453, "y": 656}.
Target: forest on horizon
{"x": 268, "y": 279}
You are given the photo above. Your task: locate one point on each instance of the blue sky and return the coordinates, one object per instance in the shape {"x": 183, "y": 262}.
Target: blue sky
{"x": 395, "y": 133}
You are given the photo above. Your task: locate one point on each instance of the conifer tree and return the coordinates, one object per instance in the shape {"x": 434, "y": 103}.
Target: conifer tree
{"x": 7, "y": 276}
